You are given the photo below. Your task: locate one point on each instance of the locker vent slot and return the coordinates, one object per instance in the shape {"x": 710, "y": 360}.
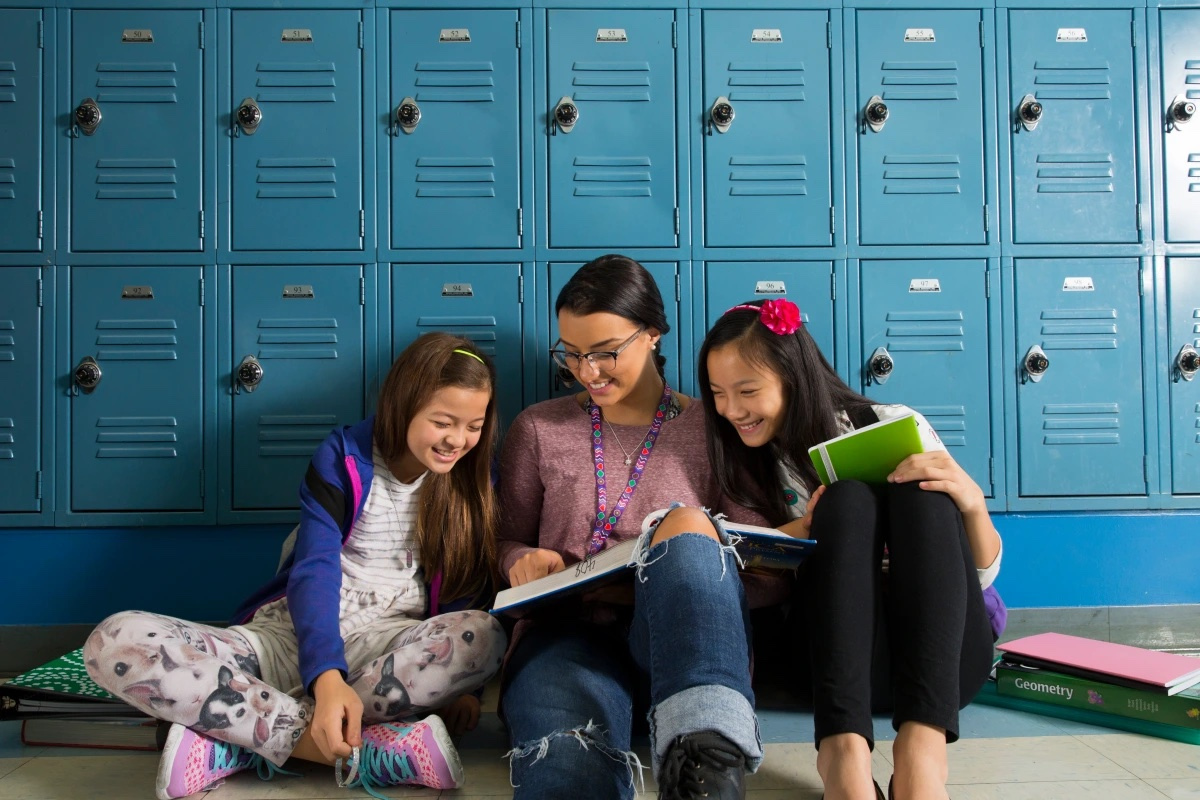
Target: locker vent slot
{"x": 1081, "y": 423}
{"x": 766, "y": 81}
{"x": 1193, "y": 172}
{"x": 611, "y": 81}
{"x": 455, "y": 177}
{"x": 8, "y": 83}
{"x": 1192, "y": 78}
{"x": 950, "y": 422}
{"x": 7, "y": 347}
{"x": 620, "y": 176}
{"x": 136, "y": 178}
{"x": 768, "y": 175}
{"x": 292, "y": 178}
{"x": 1067, "y": 173}
{"x": 291, "y": 435}
{"x": 131, "y": 340}
{"x": 137, "y": 437}
{"x": 921, "y": 174}
{"x": 924, "y": 80}
{"x": 1072, "y": 80}
{"x": 8, "y": 178}
{"x": 142, "y": 82}
{"x": 453, "y": 82}
{"x": 296, "y": 82}
{"x": 297, "y": 338}
{"x": 7, "y": 439}
{"x": 481, "y": 330}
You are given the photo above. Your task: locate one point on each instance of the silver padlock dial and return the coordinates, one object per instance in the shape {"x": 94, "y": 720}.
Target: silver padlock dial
{"x": 249, "y": 373}
{"x": 87, "y": 375}
{"x": 566, "y": 114}
{"x": 876, "y": 113}
{"x": 248, "y": 116}
{"x": 408, "y": 115}
{"x": 1029, "y": 112}
{"x": 1181, "y": 111}
{"x": 722, "y": 114}
{"x": 88, "y": 116}
{"x": 1036, "y": 363}
{"x": 880, "y": 365}
{"x": 1187, "y": 362}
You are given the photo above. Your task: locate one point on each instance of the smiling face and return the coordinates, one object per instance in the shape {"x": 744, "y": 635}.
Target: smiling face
{"x": 443, "y": 431}
{"x": 600, "y": 332}
{"x": 747, "y": 395}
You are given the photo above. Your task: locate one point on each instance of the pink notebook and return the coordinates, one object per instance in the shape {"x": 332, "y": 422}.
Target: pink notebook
{"x": 1168, "y": 672}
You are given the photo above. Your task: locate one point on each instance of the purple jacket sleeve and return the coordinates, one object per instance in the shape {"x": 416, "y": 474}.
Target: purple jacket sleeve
{"x": 996, "y": 610}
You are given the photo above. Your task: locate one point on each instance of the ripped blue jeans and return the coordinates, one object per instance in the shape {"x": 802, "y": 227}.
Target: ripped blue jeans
{"x": 571, "y": 692}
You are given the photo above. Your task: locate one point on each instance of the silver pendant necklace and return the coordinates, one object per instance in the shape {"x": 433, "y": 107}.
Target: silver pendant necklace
{"x": 628, "y": 455}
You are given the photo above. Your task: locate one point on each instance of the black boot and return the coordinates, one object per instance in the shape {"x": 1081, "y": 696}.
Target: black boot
{"x": 703, "y": 764}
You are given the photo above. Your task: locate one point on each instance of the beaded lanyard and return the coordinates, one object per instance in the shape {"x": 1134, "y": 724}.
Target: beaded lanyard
{"x": 604, "y": 522}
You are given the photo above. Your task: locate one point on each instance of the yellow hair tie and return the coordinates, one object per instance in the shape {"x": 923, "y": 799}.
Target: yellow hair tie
{"x": 472, "y": 355}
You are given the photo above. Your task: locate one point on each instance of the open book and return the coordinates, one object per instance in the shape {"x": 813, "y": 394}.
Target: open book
{"x": 868, "y": 454}
{"x": 757, "y": 547}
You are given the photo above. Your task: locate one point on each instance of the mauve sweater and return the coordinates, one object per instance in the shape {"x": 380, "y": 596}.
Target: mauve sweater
{"x": 548, "y": 484}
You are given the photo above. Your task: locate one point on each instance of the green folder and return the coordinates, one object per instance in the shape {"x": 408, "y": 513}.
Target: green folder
{"x": 867, "y": 454}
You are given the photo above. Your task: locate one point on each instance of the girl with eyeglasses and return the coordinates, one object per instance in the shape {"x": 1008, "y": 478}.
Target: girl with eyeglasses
{"x": 579, "y": 473}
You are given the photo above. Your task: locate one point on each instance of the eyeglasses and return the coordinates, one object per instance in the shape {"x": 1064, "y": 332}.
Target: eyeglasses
{"x": 600, "y": 359}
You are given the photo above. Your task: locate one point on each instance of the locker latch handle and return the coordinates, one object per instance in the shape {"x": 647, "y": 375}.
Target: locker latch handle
{"x": 1180, "y": 113}
{"x": 1187, "y": 363}
{"x": 876, "y": 113}
{"x": 88, "y": 116}
{"x": 248, "y": 117}
{"x": 721, "y": 114}
{"x": 880, "y": 366}
{"x": 249, "y": 374}
{"x": 1029, "y": 112}
{"x": 1035, "y": 364}
{"x": 566, "y": 114}
{"x": 407, "y": 116}
{"x": 87, "y": 375}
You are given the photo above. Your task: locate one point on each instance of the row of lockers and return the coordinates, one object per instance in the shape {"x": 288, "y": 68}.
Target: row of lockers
{"x": 197, "y": 394}
{"x": 181, "y": 135}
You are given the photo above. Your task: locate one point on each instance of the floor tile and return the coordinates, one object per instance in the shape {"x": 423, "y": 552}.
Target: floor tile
{"x": 1179, "y": 788}
{"x": 7, "y": 765}
{"x": 1058, "y": 790}
{"x": 1090, "y": 622}
{"x": 1037, "y": 758}
{"x": 1148, "y": 757}
{"x": 108, "y": 777}
{"x": 1157, "y": 627}
{"x": 794, "y": 766}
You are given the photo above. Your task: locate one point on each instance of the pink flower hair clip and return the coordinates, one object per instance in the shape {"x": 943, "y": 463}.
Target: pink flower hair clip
{"x": 780, "y": 316}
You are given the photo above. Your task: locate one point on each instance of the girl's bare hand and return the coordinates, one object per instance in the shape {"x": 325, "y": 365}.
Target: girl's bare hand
{"x": 533, "y": 565}
{"x": 937, "y": 471}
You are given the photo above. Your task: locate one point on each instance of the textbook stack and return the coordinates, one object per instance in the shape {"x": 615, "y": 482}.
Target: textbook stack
{"x": 1102, "y": 683}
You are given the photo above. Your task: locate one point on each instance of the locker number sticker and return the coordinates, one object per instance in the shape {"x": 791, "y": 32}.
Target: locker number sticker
{"x": 919, "y": 35}
{"x": 455, "y": 35}
{"x": 457, "y": 290}
{"x": 137, "y": 293}
{"x": 296, "y": 35}
{"x": 924, "y": 285}
{"x": 770, "y": 287}
{"x": 766, "y": 35}
{"x": 137, "y": 35}
{"x": 1078, "y": 285}
{"x": 611, "y": 35}
{"x": 298, "y": 291}
{"x": 1071, "y": 35}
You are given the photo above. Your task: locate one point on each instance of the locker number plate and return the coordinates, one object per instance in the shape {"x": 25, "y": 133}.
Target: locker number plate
{"x": 137, "y": 293}
{"x": 611, "y": 35}
{"x": 766, "y": 35}
{"x": 1078, "y": 285}
{"x": 457, "y": 290}
{"x": 1071, "y": 35}
{"x": 296, "y": 35}
{"x": 919, "y": 35}
{"x": 455, "y": 35}
{"x": 137, "y": 35}
{"x": 298, "y": 291}
{"x": 924, "y": 285}
{"x": 770, "y": 287}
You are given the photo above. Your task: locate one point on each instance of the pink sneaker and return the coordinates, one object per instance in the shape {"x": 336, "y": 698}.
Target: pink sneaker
{"x": 192, "y": 762}
{"x": 395, "y": 753}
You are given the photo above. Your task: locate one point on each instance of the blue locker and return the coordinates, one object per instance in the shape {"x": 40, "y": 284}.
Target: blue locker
{"x": 137, "y": 392}
{"x": 767, "y": 172}
{"x": 20, "y": 400}
{"x": 1080, "y": 416}
{"x": 480, "y": 302}
{"x": 297, "y": 166}
{"x": 807, "y": 284}
{"x": 666, "y": 276}
{"x": 21, "y": 121}
{"x": 137, "y": 131}
{"x": 1072, "y": 126}
{"x": 925, "y": 344}
{"x": 455, "y": 160}
{"x": 296, "y": 372}
{"x": 1181, "y": 101}
{"x": 611, "y": 117}
{"x": 919, "y": 117}
{"x": 1183, "y": 291}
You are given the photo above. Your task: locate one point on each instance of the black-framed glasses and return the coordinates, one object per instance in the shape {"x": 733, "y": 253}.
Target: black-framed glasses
{"x": 598, "y": 360}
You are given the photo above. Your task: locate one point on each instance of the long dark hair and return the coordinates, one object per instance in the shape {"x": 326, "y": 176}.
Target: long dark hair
{"x": 457, "y": 516}
{"x": 618, "y": 285}
{"x": 813, "y": 397}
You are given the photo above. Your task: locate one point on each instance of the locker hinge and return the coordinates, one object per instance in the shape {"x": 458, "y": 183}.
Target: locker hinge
{"x": 982, "y": 39}
{"x": 202, "y": 483}
{"x": 987, "y": 225}
{"x": 201, "y": 34}
{"x": 520, "y": 222}
{"x": 518, "y": 34}
{"x": 362, "y": 223}
{"x": 987, "y": 283}
{"x": 39, "y": 223}
{"x": 1145, "y": 469}
{"x": 360, "y": 34}
{"x": 201, "y": 291}
{"x": 362, "y": 290}
{"x": 37, "y": 485}
{"x": 39, "y": 292}
{"x": 678, "y": 288}
{"x": 1133, "y": 32}
{"x": 675, "y": 35}
{"x": 833, "y": 219}
{"x": 202, "y": 224}
{"x": 520, "y": 288}
{"x": 1139, "y": 216}
{"x": 1141, "y": 283}
{"x": 41, "y": 45}
{"x": 828, "y": 35}
{"x": 992, "y": 471}
{"x": 677, "y": 220}
{"x": 833, "y": 287}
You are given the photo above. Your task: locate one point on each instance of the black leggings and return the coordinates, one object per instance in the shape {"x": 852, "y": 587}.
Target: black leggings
{"x": 916, "y": 641}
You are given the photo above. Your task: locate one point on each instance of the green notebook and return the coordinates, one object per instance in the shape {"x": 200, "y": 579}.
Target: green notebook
{"x": 867, "y": 454}
{"x": 60, "y": 688}
{"x": 64, "y": 675}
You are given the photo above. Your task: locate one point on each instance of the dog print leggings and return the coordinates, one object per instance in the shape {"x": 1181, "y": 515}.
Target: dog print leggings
{"x": 209, "y": 678}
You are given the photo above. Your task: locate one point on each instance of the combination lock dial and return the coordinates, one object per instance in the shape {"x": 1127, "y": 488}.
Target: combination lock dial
{"x": 88, "y": 116}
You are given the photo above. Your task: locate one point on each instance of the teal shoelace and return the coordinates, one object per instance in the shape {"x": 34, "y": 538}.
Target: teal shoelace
{"x": 232, "y": 755}
{"x": 373, "y": 769}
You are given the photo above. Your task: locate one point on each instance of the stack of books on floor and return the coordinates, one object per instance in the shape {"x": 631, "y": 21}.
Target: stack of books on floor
{"x": 59, "y": 705}
{"x": 1100, "y": 683}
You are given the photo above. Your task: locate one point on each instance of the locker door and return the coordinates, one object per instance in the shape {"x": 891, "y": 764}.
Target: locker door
{"x": 20, "y": 374}
{"x": 612, "y": 180}
{"x": 1075, "y": 174}
{"x": 304, "y": 328}
{"x": 297, "y": 179}
{"x": 926, "y": 68}
{"x": 1181, "y": 86}
{"x": 137, "y": 438}
{"x": 1080, "y": 427}
{"x": 456, "y": 175}
{"x": 807, "y": 284}
{"x": 1183, "y": 287}
{"x": 136, "y": 181}
{"x": 665, "y": 276}
{"x": 480, "y": 302}
{"x": 767, "y": 179}
{"x": 20, "y": 130}
{"x": 931, "y": 318}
